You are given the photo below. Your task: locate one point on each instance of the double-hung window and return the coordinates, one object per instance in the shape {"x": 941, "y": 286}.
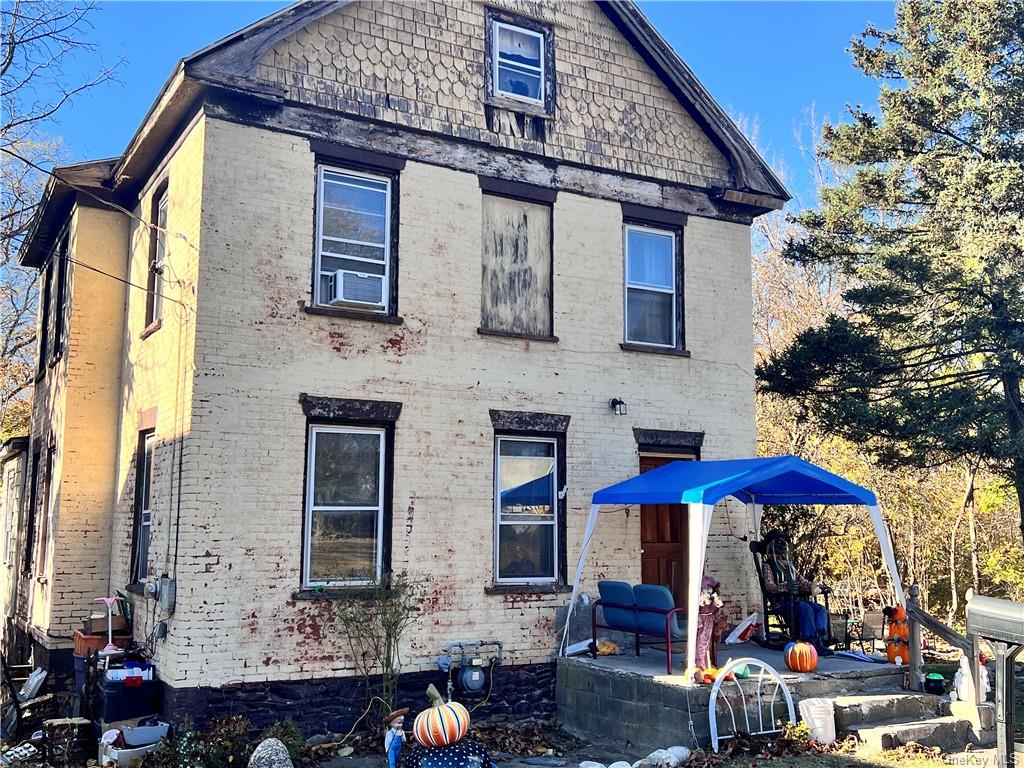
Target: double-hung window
{"x": 143, "y": 506}
{"x": 345, "y": 499}
{"x": 652, "y": 286}
{"x": 518, "y": 61}
{"x": 353, "y": 252}
{"x": 157, "y": 257}
{"x": 526, "y": 509}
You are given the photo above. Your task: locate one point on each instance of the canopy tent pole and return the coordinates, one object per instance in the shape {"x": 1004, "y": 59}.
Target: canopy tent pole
{"x": 887, "y": 553}
{"x": 588, "y": 534}
{"x": 699, "y": 520}
{"x": 757, "y": 512}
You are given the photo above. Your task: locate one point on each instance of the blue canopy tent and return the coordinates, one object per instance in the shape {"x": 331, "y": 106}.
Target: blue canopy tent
{"x": 755, "y": 482}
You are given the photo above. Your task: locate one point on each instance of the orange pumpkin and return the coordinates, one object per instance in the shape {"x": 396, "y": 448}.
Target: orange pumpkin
{"x": 801, "y": 657}
{"x": 443, "y": 724}
{"x": 897, "y": 649}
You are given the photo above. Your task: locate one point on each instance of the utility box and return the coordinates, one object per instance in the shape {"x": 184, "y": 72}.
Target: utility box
{"x": 995, "y": 619}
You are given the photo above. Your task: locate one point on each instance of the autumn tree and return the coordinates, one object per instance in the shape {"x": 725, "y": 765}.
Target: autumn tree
{"x": 924, "y": 361}
{"x": 39, "y": 39}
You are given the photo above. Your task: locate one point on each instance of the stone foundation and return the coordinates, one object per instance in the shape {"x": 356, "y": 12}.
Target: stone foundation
{"x": 333, "y": 704}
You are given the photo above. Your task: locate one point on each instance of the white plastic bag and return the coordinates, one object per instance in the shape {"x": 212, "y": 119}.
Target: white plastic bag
{"x": 744, "y": 631}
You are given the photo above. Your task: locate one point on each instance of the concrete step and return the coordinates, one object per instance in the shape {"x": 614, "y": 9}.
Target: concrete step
{"x": 864, "y": 709}
{"x": 947, "y": 733}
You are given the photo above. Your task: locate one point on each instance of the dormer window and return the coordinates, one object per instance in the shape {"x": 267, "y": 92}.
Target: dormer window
{"x": 518, "y": 63}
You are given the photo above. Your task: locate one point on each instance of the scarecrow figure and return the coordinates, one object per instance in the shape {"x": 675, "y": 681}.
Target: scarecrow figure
{"x": 395, "y": 736}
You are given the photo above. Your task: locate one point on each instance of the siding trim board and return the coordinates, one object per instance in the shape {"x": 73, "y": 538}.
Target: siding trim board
{"x": 475, "y": 156}
{"x": 531, "y": 193}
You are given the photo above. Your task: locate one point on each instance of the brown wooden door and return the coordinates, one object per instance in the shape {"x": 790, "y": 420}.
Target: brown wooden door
{"x": 663, "y": 540}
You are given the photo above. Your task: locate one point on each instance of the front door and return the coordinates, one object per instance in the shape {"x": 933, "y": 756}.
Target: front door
{"x": 663, "y": 529}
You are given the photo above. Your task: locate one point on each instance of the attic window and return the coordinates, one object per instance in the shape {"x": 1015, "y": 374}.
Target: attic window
{"x": 520, "y": 64}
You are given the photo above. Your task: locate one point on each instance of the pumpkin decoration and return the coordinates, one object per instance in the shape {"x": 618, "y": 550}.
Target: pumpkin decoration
{"x": 897, "y": 649}
{"x": 709, "y": 675}
{"x": 898, "y": 624}
{"x": 801, "y": 657}
{"x": 441, "y": 724}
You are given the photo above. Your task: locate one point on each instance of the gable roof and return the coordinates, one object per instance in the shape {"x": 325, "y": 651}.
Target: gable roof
{"x": 777, "y": 480}
{"x": 230, "y": 63}
{"x": 237, "y": 56}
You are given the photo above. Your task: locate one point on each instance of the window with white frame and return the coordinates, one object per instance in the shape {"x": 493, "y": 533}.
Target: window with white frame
{"x": 143, "y": 506}
{"x": 344, "y": 506}
{"x": 353, "y": 253}
{"x": 651, "y": 286}
{"x": 526, "y": 509}
{"x": 157, "y": 257}
{"x": 518, "y": 63}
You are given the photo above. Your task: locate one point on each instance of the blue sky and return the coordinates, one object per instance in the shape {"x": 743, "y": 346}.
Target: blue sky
{"x": 766, "y": 62}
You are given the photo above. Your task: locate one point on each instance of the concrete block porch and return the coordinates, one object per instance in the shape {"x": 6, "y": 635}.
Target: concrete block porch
{"x": 630, "y": 702}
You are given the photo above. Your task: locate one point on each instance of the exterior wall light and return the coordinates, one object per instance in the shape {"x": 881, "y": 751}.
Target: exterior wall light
{"x": 618, "y": 405}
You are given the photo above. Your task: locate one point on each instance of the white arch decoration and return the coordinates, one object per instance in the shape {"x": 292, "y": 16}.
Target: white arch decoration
{"x": 766, "y": 671}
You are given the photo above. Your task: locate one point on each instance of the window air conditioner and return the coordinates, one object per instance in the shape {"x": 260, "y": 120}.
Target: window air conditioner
{"x": 356, "y": 288}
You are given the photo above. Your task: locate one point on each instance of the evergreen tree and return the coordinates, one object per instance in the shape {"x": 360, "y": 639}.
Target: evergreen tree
{"x": 925, "y": 362}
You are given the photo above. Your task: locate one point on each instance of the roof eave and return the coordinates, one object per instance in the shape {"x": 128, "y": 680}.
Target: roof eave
{"x": 753, "y": 174}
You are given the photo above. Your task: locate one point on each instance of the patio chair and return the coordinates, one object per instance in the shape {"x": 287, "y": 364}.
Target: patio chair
{"x": 646, "y": 609}
{"x": 870, "y": 628}
{"x": 23, "y": 709}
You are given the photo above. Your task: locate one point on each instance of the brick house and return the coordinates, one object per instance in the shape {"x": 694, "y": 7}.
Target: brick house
{"x": 355, "y": 299}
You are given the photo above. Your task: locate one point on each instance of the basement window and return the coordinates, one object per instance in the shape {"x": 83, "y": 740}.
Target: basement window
{"x": 345, "y": 499}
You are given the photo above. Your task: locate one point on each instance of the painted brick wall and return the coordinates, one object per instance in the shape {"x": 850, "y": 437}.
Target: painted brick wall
{"x": 421, "y": 64}
{"x": 76, "y": 410}
{"x": 157, "y": 374}
{"x": 256, "y": 350}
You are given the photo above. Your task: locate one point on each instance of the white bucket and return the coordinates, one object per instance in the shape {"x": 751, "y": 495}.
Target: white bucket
{"x": 820, "y": 715}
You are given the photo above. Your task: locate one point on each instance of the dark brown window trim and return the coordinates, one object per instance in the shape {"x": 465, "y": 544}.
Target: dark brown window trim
{"x": 529, "y": 423}
{"x": 151, "y": 273}
{"x": 652, "y": 350}
{"x": 527, "y": 589}
{"x": 152, "y": 328}
{"x": 655, "y": 440}
{"x": 658, "y": 217}
{"x": 364, "y": 158}
{"x": 335, "y": 593}
{"x": 339, "y": 410}
{"x": 354, "y": 314}
{"x": 547, "y": 109}
{"x": 393, "y": 175}
{"x": 513, "y": 335}
{"x": 56, "y": 358}
{"x": 517, "y": 190}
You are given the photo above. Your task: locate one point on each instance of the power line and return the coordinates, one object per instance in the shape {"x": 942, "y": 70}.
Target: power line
{"x": 127, "y": 282}
{"x": 86, "y": 191}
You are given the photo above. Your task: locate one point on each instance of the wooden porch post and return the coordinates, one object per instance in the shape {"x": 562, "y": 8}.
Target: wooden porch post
{"x": 916, "y": 680}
